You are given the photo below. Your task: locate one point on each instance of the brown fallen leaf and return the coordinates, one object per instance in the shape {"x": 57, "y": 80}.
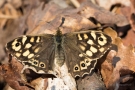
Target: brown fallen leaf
{"x": 40, "y": 84}
{"x": 123, "y": 58}
{"x": 129, "y": 40}
{"x": 88, "y": 9}
{"x": 90, "y": 82}
{"x": 12, "y": 77}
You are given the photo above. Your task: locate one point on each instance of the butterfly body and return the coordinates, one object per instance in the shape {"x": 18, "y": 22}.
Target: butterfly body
{"x": 78, "y": 50}
{"x": 59, "y": 52}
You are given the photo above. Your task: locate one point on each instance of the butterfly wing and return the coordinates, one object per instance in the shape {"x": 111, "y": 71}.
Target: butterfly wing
{"x": 82, "y": 49}
{"x": 33, "y": 51}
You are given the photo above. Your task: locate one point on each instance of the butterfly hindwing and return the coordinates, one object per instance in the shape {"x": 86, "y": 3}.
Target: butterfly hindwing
{"x": 78, "y": 66}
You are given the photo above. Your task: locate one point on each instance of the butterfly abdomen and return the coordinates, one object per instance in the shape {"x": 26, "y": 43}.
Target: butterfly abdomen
{"x": 59, "y": 55}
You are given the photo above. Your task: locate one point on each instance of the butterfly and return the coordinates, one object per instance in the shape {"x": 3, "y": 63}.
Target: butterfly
{"x": 78, "y": 50}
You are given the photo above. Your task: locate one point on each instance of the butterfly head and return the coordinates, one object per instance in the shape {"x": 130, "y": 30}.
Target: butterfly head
{"x": 58, "y": 36}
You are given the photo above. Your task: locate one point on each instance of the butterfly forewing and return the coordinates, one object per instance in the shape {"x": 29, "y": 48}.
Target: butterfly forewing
{"x": 93, "y": 43}
{"x": 33, "y": 51}
{"x": 83, "y": 49}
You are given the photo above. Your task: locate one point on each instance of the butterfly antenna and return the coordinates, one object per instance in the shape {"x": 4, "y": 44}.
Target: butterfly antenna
{"x": 63, "y": 19}
{"x": 59, "y": 33}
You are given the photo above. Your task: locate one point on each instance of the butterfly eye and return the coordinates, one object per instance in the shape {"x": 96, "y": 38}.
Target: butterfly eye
{"x": 76, "y": 68}
{"x": 83, "y": 65}
{"x": 42, "y": 65}
{"x": 101, "y": 39}
{"x": 17, "y": 44}
{"x": 87, "y": 61}
{"x": 35, "y": 63}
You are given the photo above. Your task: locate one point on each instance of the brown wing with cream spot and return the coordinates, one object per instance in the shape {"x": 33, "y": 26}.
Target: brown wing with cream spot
{"x": 33, "y": 51}
{"x": 83, "y": 49}
{"x": 93, "y": 43}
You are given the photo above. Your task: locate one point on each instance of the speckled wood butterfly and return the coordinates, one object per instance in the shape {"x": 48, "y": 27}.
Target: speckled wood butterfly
{"x": 79, "y": 50}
